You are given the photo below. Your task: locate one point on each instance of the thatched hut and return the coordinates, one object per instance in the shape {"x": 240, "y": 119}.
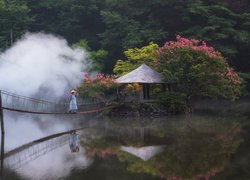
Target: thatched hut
{"x": 143, "y": 75}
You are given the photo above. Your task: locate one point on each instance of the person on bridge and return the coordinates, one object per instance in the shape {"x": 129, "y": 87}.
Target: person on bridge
{"x": 73, "y": 104}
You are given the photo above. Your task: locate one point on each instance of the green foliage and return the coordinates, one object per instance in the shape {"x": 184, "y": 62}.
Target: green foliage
{"x": 81, "y": 44}
{"x": 136, "y": 57}
{"x": 175, "y": 102}
{"x": 96, "y": 58}
{"x": 72, "y": 19}
{"x": 222, "y": 27}
{"x": 99, "y": 57}
{"x": 14, "y": 21}
{"x": 198, "y": 70}
{"x": 126, "y": 22}
{"x": 113, "y": 26}
{"x": 246, "y": 82}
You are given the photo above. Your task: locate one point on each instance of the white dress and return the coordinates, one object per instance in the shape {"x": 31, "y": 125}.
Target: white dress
{"x": 72, "y": 104}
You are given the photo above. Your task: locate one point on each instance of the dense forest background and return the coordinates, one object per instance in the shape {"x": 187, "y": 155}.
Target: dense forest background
{"x": 109, "y": 27}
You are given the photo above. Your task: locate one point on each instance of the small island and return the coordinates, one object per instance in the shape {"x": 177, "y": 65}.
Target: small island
{"x": 156, "y": 81}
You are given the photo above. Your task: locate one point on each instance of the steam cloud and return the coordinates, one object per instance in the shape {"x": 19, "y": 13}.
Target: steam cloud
{"x": 41, "y": 65}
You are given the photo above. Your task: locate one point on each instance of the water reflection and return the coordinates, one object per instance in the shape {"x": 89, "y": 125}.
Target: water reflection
{"x": 73, "y": 142}
{"x": 54, "y": 165}
{"x": 145, "y": 153}
{"x": 189, "y": 147}
{"x": 21, "y": 129}
{"x": 183, "y": 149}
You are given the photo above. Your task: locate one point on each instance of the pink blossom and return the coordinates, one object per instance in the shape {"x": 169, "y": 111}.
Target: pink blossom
{"x": 229, "y": 72}
{"x": 186, "y": 43}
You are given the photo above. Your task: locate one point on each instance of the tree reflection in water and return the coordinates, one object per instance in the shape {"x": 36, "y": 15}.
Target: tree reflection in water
{"x": 192, "y": 149}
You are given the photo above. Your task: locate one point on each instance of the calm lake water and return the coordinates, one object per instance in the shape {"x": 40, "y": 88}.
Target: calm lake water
{"x": 197, "y": 146}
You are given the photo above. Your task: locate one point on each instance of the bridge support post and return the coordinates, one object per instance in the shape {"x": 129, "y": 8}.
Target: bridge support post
{"x": 2, "y": 135}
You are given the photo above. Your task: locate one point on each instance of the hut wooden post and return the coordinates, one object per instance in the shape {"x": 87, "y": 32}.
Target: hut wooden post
{"x": 117, "y": 93}
{"x": 148, "y": 95}
{"x": 144, "y": 91}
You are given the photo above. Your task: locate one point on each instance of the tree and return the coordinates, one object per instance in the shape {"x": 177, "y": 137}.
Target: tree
{"x": 96, "y": 58}
{"x": 115, "y": 26}
{"x": 128, "y": 24}
{"x": 135, "y": 57}
{"x": 197, "y": 69}
{"x": 222, "y": 26}
{"x": 14, "y": 21}
{"x": 72, "y": 19}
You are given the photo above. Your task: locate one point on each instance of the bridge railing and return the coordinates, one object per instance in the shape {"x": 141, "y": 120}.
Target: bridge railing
{"x": 17, "y": 102}
{"x": 23, "y": 103}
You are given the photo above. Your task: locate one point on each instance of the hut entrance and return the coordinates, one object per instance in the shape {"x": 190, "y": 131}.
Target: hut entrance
{"x": 145, "y": 77}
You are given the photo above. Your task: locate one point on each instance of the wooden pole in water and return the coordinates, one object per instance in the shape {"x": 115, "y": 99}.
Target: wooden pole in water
{"x": 3, "y": 134}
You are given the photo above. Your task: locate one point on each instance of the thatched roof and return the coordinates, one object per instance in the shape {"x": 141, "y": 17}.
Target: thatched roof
{"x": 142, "y": 74}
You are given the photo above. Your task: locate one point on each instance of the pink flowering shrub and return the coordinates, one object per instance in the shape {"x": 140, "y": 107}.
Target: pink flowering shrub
{"x": 97, "y": 86}
{"x": 194, "y": 68}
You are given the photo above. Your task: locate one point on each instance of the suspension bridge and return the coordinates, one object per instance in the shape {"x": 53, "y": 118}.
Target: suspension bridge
{"x": 23, "y": 104}
{"x": 19, "y": 103}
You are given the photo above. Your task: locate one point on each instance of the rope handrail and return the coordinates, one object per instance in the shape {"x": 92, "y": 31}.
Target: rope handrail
{"x": 25, "y": 97}
{"x": 58, "y": 113}
{"x": 20, "y": 103}
{"x": 40, "y": 100}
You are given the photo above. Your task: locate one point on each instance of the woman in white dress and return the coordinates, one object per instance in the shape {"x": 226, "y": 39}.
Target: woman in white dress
{"x": 72, "y": 103}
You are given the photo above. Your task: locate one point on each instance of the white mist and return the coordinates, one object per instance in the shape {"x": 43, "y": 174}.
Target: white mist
{"x": 45, "y": 67}
{"x": 41, "y": 65}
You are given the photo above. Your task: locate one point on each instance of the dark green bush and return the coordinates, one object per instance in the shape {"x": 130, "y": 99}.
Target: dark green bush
{"x": 175, "y": 103}
{"x": 246, "y": 84}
